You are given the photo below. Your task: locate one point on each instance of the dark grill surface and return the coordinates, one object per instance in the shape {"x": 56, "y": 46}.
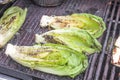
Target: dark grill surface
{"x": 100, "y": 67}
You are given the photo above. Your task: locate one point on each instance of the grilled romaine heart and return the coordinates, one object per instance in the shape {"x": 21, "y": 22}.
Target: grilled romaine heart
{"x": 77, "y": 39}
{"x": 10, "y": 23}
{"x": 51, "y": 58}
{"x": 91, "y": 23}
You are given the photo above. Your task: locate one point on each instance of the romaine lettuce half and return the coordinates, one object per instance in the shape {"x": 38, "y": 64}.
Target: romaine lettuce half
{"x": 91, "y": 23}
{"x": 10, "y": 23}
{"x": 76, "y": 39}
{"x": 50, "y": 58}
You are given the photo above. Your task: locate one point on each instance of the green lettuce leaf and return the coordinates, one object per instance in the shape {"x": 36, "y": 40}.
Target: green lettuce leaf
{"x": 50, "y": 58}
{"x": 76, "y": 39}
{"x": 10, "y": 23}
{"x": 91, "y": 23}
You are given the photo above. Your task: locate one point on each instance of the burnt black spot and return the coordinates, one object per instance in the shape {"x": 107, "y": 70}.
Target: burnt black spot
{"x": 50, "y": 39}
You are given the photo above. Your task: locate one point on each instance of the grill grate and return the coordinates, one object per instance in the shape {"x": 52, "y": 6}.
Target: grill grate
{"x": 99, "y": 68}
{"x": 109, "y": 41}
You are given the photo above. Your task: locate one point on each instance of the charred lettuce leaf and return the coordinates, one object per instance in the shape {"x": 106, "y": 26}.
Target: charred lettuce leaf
{"x": 10, "y": 23}
{"x": 76, "y": 39}
{"x": 50, "y": 58}
{"x": 91, "y": 23}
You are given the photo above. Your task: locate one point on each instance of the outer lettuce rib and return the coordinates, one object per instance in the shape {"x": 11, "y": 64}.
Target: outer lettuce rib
{"x": 77, "y": 39}
{"x": 51, "y": 58}
{"x": 93, "y": 24}
{"x": 10, "y": 23}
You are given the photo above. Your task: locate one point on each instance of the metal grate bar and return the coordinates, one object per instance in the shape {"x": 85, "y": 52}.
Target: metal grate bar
{"x": 111, "y": 46}
{"x": 87, "y": 71}
{"x": 92, "y": 68}
{"x": 14, "y": 73}
{"x": 116, "y": 24}
{"x": 112, "y": 73}
{"x": 98, "y": 72}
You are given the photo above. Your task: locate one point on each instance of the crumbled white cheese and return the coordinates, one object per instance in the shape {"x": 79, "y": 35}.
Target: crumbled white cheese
{"x": 116, "y": 55}
{"x": 117, "y": 43}
{"x": 46, "y": 20}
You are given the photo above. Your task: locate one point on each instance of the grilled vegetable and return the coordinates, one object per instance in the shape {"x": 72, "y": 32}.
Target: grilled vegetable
{"x": 93, "y": 24}
{"x": 51, "y": 58}
{"x": 10, "y": 22}
{"x": 74, "y": 38}
{"x": 116, "y": 53}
